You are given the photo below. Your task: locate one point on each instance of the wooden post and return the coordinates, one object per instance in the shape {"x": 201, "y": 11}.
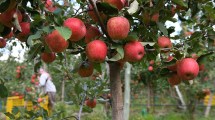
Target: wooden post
{"x": 180, "y": 97}
{"x": 208, "y": 108}
{"x": 127, "y": 91}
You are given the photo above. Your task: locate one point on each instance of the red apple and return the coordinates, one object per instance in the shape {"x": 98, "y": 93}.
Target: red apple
{"x": 91, "y": 103}
{"x": 50, "y": 6}
{"x": 194, "y": 56}
{"x": 155, "y": 17}
{"x": 56, "y": 42}
{"x": 18, "y": 75}
{"x": 119, "y": 4}
{"x": 118, "y": 27}
{"x": 151, "y": 62}
{"x": 96, "y": 51}
{"x": 77, "y": 27}
{"x": 93, "y": 15}
{"x": 201, "y": 67}
{"x": 150, "y": 68}
{"x": 8, "y": 36}
{"x": 2, "y": 43}
{"x": 7, "y": 17}
{"x": 133, "y": 51}
{"x": 39, "y": 100}
{"x": 92, "y": 33}
{"x": 174, "y": 80}
{"x": 32, "y": 81}
{"x": 25, "y": 26}
{"x": 85, "y": 69}
{"x": 187, "y": 69}
{"x": 164, "y": 42}
{"x": 34, "y": 76}
{"x": 48, "y": 57}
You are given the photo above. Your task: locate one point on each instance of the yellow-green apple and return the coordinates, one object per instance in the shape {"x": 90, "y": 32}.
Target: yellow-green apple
{"x": 96, "y": 51}
{"x": 118, "y": 27}
{"x": 56, "y": 42}
{"x": 133, "y": 51}
{"x": 77, "y": 27}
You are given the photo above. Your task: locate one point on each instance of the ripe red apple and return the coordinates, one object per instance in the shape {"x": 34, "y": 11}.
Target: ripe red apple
{"x": 164, "y": 42}
{"x": 92, "y": 33}
{"x": 39, "y": 100}
{"x": 32, "y": 81}
{"x": 201, "y": 67}
{"x": 151, "y": 62}
{"x": 34, "y": 76}
{"x": 96, "y": 51}
{"x": 8, "y": 36}
{"x": 93, "y": 15}
{"x": 25, "y": 26}
{"x": 174, "y": 80}
{"x": 91, "y": 103}
{"x": 50, "y": 6}
{"x": 48, "y": 57}
{"x": 150, "y": 68}
{"x": 77, "y": 27}
{"x": 118, "y": 27}
{"x": 187, "y": 69}
{"x": 56, "y": 42}
{"x": 119, "y": 4}
{"x": 133, "y": 51}
{"x": 6, "y": 18}
{"x": 85, "y": 69}
{"x": 28, "y": 89}
{"x": 2, "y": 43}
{"x": 146, "y": 17}
{"x": 18, "y": 75}
{"x": 155, "y": 17}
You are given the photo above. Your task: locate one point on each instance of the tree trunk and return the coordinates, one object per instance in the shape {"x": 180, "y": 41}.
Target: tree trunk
{"x": 127, "y": 91}
{"x": 116, "y": 91}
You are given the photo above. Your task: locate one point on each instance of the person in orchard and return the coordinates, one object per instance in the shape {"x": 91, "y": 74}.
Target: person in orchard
{"x": 47, "y": 86}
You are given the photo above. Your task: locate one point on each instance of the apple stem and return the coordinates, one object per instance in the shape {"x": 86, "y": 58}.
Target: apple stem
{"x": 95, "y": 9}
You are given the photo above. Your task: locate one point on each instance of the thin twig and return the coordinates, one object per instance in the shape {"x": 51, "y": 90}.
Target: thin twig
{"x": 81, "y": 107}
{"x": 92, "y": 2}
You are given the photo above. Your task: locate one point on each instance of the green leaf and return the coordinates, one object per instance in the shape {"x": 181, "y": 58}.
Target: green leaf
{"x": 116, "y": 57}
{"x": 34, "y": 51}
{"x": 162, "y": 28}
{"x": 107, "y": 8}
{"x": 132, "y": 36}
{"x": 47, "y": 29}
{"x": 11, "y": 116}
{"x": 180, "y": 2}
{"x": 4, "y": 91}
{"x": 33, "y": 37}
{"x": 98, "y": 67}
{"x": 4, "y": 4}
{"x": 87, "y": 109}
{"x": 65, "y": 32}
{"x": 15, "y": 110}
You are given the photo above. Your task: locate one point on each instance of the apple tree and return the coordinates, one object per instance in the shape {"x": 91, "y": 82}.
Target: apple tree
{"x": 113, "y": 32}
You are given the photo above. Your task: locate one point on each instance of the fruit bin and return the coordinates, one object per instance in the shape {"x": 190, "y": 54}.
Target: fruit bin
{"x": 19, "y": 102}
{"x": 206, "y": 99}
